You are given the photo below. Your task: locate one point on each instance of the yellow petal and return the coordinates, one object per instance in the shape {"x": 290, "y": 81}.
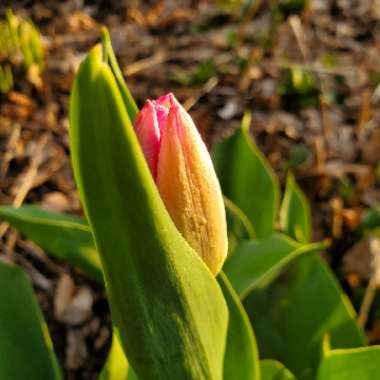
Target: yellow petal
{"x": 189, "y": 187}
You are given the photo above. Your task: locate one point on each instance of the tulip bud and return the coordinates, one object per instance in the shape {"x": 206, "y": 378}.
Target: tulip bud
{"x": 185, "y": 177}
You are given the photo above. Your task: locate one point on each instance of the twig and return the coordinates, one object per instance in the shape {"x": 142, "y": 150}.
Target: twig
{"x": 296, "y": 26}
{"x": 373, "y": 284}
{"x": 376, "y": 94}
{"x": 143, "y": 64}
{"x": 365, "y": 114}
{"x": 11, "y": 147}
{"x": 369, "y": 296}
{"x": 337, "y": 217}
{"x": 28, "y": 180}
{"x": 311, "y": 66}
{"x": 208, "y": 87}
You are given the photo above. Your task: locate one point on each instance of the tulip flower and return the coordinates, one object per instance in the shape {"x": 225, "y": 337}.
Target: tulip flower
{"x": 184, "y": 174}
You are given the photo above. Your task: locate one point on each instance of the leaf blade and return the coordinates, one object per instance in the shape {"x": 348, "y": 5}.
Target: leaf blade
{"x": 129, "y": 102}
{"x": 65, "y": 237}
{"x": 241, "y": 360}
{"x": 259, "y": 261}
{"x": 139, "y": 253}
{"x": 309, "y": 289}
{"x": 247, "y": 179}
{"x": 274, "y": 370}
{"x": 25, "y": 345}
{"x": 359, "y": 363}
{"x": 295, "y": 218}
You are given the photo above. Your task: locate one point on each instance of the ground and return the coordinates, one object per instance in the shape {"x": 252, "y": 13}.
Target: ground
{"x": 309, "y": 76}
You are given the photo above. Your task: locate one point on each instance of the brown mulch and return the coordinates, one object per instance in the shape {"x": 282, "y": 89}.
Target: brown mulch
{"x": 218, "y": 64}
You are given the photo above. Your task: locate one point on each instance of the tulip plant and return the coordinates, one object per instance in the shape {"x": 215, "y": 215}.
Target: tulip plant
{"x": 201, "y": 286}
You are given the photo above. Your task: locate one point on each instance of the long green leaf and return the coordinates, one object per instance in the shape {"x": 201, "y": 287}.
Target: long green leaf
{"x": 64, "y": 236}
{"x": 159, "y": 289}
{"x": 255, "y": 263}
{"x": 33, "y": 222}
{"x": 69, "y": 238}
{"x": 116, "y": 367}
{"x": 238, "y": 225}
{"x": 123, "y": 88}
{"x": 274, "y": 370}
{"x": 295, "y": 216}
{"x": 358, "y": 363}
{"x": 26, "y": 351}
{"x": 247, "y": 179}
{"x": 293, "y": 314}
{"x": 241, "y": 361}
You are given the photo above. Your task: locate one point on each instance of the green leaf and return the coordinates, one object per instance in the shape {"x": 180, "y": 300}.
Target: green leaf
{"x": 370, "y": 220}
{"x": 295, "y": 212}
{"x": 25, "y": 346}
{"x": 238, "y": 225}
{"x": 26, "y": 218}
{"x": 69, "y": 238}
{"x": 131, "y": 375}
{"x": 247, "y": 179}
{"x": 34, "y": 222}
{"x": 358, "y": 363}
{"x": 64, "y": 236}
{"x": 293, "y": 314}
{"x": 197, "y": 76}
{"x": 110, "y": 58}
{"x": 298, "y": 154}
{"x": 168, "y": 326}
{"x": 116, "y": 367}
{"x": 255, "y": 263}
{"x": 241, "y": 361}
{"x": 274, "y": 370}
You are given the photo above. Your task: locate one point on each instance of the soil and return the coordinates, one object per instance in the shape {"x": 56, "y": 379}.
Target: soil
{"x": 310, "y": 77}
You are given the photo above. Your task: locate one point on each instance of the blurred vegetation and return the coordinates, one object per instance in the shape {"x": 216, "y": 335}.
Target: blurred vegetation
{"x": 283, "y": 8}
{"x": 199, "y": 75}
{"x": 20, "y": 44}
{"x": 298, "y": 88}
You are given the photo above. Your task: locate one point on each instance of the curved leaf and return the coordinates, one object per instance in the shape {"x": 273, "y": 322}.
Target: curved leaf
{"x": 274, "y": 370}
{"x": 238, "y": 225}
{"x": 293, "y": 314}
{"x": 295, "y": 216}
{"x": 123, "y": 88}
{"x": 26, "y": 351}
{"x": 116, "y": 367}
{"x": 241, "y": 360}
{"x": 159, "y": 289}
{"x": 255, "y": 263}
{"x": 64, "y": 236}
{"x": 247, "y": 179}
{"x": 358, "y": 363}
{"x": 69, "y": 238}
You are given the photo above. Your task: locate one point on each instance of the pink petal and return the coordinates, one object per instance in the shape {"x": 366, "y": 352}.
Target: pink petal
{"x": 148, "y": 133}
{"x": 162, "y": 116}
{"x": 166, "y": 101}
{"x": 162, "y": 106}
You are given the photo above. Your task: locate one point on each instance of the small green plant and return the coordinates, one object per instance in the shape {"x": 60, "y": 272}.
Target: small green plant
{"x": 200, "y": 74}
{"x": 298, "y": 88}
{"x": 298, "y": 155}
{"x": 20, "y": 44}
{"x": 6, "y": 78}
{"x": 281, "y": 9}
